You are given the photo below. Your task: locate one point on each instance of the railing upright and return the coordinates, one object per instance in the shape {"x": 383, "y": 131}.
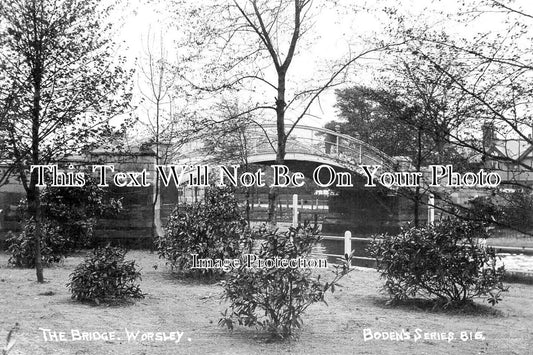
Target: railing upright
{"x": 347, "y": 242}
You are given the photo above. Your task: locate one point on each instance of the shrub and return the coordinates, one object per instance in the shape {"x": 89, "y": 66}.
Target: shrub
{"x": 69, "y": 215}
{"x": 275, "y": 298}
{"x": 104, "y": 276}
{"x": 518, "y": 212}
{"x": 445, "y": 260}
{"x": 213, "y": 229}
{"x": 22, "y": 246}
{"x": 514, "y": 209}
{"x": 76, "y": 210}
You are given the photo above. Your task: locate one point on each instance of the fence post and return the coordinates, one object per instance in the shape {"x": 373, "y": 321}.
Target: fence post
{"x": 347, "y": 242}
{"x": 295, "y": 210}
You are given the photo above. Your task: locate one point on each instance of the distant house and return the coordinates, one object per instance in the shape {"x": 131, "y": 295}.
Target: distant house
{"x": 511, "y": 158}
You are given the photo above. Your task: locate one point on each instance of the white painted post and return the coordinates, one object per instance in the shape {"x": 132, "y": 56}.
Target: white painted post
{"x": 295, "y": 210}
{"x": 431, "y": 209}
{"x": 347, "y": 242}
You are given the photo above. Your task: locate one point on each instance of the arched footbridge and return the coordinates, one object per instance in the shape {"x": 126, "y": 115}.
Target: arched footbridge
{"x": 318, "y": 145}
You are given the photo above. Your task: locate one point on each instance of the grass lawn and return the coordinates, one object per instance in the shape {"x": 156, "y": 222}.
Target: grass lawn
{"x": 191, "y": 310}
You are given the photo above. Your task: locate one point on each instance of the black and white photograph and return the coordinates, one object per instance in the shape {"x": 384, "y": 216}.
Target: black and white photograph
{"x": 266, "y": 177}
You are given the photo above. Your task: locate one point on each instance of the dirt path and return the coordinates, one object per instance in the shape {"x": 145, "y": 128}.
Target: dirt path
{"x": 190, "y": 311}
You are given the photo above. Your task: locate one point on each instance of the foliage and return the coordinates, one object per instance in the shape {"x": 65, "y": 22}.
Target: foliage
{"x": 105, "y": 276}
{"x": 69, "y": 217}
{"x": 61, "y": 83}
{"x": 445, "y": 260}
{"x": 276, "y": 298}
{"x": 22, "y": 246}
{"x": 74, "y": 211}
{"x": 212, "y": 229}
{"x": 484, "y": 208}
{"x": 379, "y": 118}
{"x": 399, "y": 127}
{"x": 518, "y": 212}
{"x": 513, "y": 209}
{"x": 62, "y": 51}
{"x": 477, "y": 87}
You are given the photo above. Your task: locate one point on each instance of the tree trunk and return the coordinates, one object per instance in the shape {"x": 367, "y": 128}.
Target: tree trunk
{"x": 156, "y": 216}
{"x": 156, "y": 206}
{"x": 34, "y": 208}
{"x": 33, "y": 197}
{"x": 38, "y": 223}
{"x": 280, "y": 153}
{"x": 156, "y": 210}
{"x": 416, "y": 207}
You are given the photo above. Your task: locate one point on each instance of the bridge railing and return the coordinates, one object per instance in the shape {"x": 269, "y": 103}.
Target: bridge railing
{"x": 321, "y": 142}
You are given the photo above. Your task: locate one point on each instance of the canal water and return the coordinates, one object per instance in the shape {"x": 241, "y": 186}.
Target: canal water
{"x": 512, "y": 262}
{"x": 517, "y": 262}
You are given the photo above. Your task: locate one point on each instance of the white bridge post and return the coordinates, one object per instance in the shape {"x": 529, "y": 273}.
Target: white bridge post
{"x": 295, "y": 210}
{"x": 347, "y": 242}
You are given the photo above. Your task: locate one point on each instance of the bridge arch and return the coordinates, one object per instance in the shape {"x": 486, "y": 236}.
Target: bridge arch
{"x": 316, "y": 145}
{"x": 361, "y": 209}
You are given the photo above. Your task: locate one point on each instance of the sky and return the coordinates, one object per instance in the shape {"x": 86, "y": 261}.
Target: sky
{"x": 142, "y": 21}
{"x": 336, "y": 31}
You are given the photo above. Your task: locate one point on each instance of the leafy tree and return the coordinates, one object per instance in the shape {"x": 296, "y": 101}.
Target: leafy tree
{"x": 379, "y": 118}
{"x": 59, "y": 59}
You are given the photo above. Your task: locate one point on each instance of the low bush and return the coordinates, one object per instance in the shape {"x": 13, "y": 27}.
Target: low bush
{"x": 21, "y": 247}
{"x": 444, "y": 261}
{"x": 518, "y": 212}
{"x": 212, "y": 229}
{"x": 275, "y": 298}
{"x": 514, "y": 210}
{"x": 75, "y": 211}
{"x": 69, "y": 215}
{"x": 104, "y": 276}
